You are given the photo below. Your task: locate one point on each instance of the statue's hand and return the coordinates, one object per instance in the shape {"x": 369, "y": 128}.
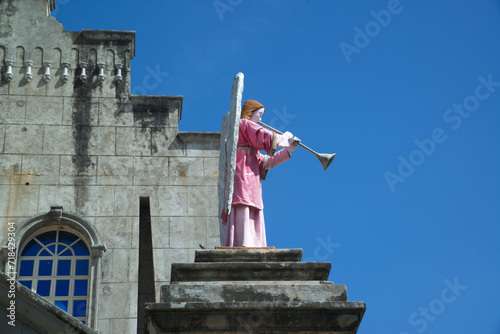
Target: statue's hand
{"x": 288, "y": 135}
{"x": 294, "y": 143}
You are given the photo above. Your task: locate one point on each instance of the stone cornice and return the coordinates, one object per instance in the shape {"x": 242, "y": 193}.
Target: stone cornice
{"x": 122, "y": 37}
{"x": 158, "y": 100}
{"x": 199, "y": 137}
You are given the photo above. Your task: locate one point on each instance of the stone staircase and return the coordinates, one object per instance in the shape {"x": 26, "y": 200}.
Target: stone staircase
{"x": 252, "y": 291}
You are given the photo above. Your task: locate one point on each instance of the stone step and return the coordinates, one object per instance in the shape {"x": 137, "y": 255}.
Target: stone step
{"x": 248, "y": 255}
{"x": 231, "y": 291}
{"x": 250, "y": 271}
{"x": 256, "y": 317}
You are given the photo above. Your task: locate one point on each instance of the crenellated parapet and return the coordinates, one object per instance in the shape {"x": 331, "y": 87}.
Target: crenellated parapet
{"x": 106, "y": 55}
{"x": 40, "y": 53}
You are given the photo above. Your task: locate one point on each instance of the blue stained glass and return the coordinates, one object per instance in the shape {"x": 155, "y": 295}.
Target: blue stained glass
{"x": 67, "y": 252}
{"x": 67, "y": 238}
{"x": 79, "y": 308}
{"x": 80, "y": 287}
{"x": 63, "y": 267}
{"x": 26, "y": 268}
{"x": 62, "y": 304}
{"x": 67, "y": 245}
{"x": 44, "y": 253}
{"x": 62, "y": 288}
{"x": 82, "y": 267}
{"x": 26, "y": 284}
{"x": 31, "y": 249}
{"x": 81, "y": 248}
{"x": 47, "y": 237}
{"x": 43, "y": 288}
{"x": 45, "y": 268}
{"x": 52, "y": 248}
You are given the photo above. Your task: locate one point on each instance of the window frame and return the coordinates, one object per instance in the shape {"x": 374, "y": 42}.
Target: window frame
{"x": 55, "y": 219}
{"x": 54, "y": 277}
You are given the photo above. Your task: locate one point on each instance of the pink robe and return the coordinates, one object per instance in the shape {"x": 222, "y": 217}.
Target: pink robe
{"x": 245, "y": 224}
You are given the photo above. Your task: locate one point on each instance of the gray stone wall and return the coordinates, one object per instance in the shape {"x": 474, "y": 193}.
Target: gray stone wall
{"x": 89, "y": 146}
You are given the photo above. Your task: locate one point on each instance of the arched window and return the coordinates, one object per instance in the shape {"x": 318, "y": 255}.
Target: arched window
{"x": 59, "y": 259}
{"x": 56, "y": 265}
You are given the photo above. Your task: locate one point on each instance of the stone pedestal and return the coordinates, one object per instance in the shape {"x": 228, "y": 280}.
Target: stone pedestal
{"x": 252, "y": 291}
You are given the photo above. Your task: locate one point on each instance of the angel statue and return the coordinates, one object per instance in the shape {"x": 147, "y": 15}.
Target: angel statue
{"x": 244, "y": 221}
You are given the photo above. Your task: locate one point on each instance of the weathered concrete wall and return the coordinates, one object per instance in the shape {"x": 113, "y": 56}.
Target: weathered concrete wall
{"x": 89, "y": 146}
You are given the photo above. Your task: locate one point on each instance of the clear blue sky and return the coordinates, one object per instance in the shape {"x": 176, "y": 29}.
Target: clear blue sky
{"x": 407, "y": 93}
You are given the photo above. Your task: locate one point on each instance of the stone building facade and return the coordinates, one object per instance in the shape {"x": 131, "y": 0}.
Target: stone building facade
{"x": 78, "y": 156}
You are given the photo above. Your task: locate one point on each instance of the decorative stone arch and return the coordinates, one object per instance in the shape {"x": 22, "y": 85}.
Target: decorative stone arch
{"x": 55, "y": 219}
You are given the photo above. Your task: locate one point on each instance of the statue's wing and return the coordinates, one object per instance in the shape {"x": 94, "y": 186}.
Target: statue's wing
{"x": 228, "y": 147}
{"x": 221, "y": 185}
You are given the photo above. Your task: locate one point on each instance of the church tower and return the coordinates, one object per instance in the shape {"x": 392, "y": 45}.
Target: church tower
{"x": 96, "y": 184}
